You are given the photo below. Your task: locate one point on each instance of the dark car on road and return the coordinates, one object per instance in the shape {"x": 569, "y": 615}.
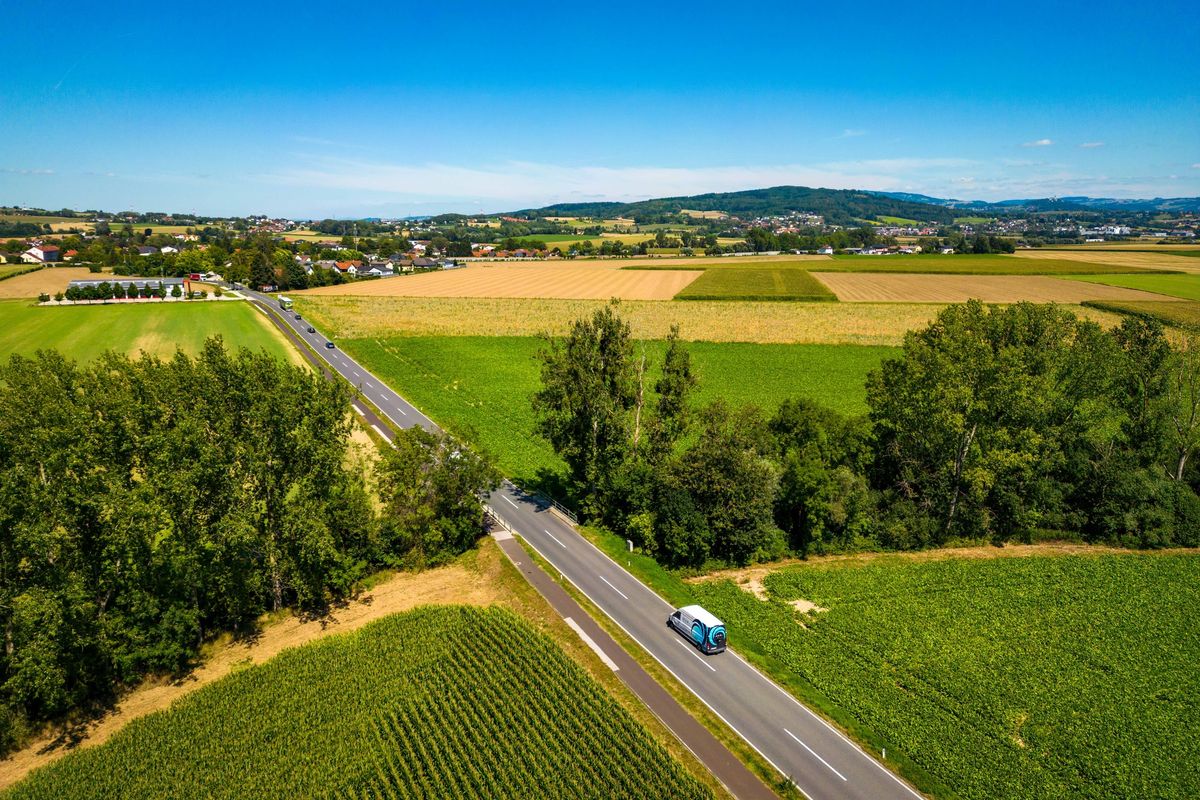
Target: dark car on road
{"x": 311, "y": 329}
{"x": 329, "y": 345}
{"x": 297, "y": 316}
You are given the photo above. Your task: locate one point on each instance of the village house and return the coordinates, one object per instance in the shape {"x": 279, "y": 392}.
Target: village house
{"x": 40, "y": 254}
{"x": 147, "y": 250}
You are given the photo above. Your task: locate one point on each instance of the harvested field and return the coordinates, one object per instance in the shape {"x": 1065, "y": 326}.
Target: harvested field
{"x": 565, "y": 282}
{"x": 1176, "y": 314}
{"x": 908, "y": 288}
{"x": 698, "y": 320}
{"x": 48, "y": 280}
{"x": 1134, "y": 259}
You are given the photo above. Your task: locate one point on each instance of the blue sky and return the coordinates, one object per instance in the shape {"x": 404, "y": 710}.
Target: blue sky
{"x": 310, "y": 110}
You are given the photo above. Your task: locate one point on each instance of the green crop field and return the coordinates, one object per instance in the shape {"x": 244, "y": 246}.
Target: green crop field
{"x": 756, "y": 284}
{"x": 898, "y": 220}
{"x": 437, "y": 702}
{"x": 1039, "y": 677}
{"x": 83, "y": 332}
{"x": 971, "y": 220}
{"x": 1181, "y": 285}
{"x": 1179, "y": 313}
{"x": 480, "y": 386}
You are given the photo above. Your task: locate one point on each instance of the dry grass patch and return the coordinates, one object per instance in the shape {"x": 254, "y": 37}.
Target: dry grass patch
{"x": 910, "y": 288}
{"x": 518, "y": 281}
{"x": 698, "y": 320}
{"x": 48, "y": 280}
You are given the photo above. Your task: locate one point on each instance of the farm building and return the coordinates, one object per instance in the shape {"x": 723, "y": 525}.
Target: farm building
{"x": 40, "y": 254}
{"x": 140, "y": 283}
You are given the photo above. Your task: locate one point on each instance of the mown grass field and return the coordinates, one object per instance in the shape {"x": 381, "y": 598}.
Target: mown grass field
{"x": 84, "y": 332}
{"x": 480, "y": 387}
{"x": 1038, "y": 677}
{"x": 437, "y": 702}
{"x": 1183, "y": 286}
{"x": 756, "y": 284}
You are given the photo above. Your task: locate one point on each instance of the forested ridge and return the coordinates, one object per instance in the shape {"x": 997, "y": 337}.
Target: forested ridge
{"x": 146, "y": 505}
{"x": 994, "y": 424}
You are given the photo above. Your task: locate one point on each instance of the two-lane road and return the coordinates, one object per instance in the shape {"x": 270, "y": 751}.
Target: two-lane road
{"x": 822, "y": 762}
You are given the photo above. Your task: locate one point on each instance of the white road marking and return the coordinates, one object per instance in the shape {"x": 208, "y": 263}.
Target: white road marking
{"x": 699, "y": 695}
{"x": 379, "y": 430}
{"x": 692, "y": 650}
{"x": 608, "y": 662}
{"x": 359, "y": 410}
{"x": 615, "y": 589}
{"x": 510, "y": 502}
{"x": 555, "y": 538}
{"x": 814, "y": 752}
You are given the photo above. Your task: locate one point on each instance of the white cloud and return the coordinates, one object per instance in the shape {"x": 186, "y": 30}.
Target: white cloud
{"x": 1039, "y": 143}
{"x": 521, "y": 181}
{"x": 1092, "y": 145}
{"x": 26, "y": 171}
{"x": 850, "y": 133}
{"x": 1196, "y": 166}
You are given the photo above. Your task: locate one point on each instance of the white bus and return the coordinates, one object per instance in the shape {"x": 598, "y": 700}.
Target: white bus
{"x": 700, "y": 627}
{"x": 285, "y": 303}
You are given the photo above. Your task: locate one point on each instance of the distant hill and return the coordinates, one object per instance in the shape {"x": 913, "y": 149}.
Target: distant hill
{"x": 837, "y": 206}
{"x": 1074, "y": 203}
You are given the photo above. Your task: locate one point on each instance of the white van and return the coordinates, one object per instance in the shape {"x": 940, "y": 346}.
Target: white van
{"x": 700, "y": 627}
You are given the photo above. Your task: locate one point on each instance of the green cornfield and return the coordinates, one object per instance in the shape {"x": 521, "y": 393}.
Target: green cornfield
{"x": 452, "y": 702}
{"x": 1038, "y": 677}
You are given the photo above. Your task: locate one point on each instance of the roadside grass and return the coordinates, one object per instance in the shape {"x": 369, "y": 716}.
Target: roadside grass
{"x": 480, "y": 387}
{"x": 84, "y": 332}
{"x": 1057, "y": 676}
{"x": 1183, "y": 286}
{"x": 759, "y": 284}
{"x": 1178, "y": 314}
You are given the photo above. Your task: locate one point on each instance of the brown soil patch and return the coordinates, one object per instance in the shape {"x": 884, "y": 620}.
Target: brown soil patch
{"x": 886, "y": 287}
{"x": 48, "y": 280}
{"x": 565, "y": 282}
{"x": 452, "y": 584}
{"x": 806, "y": 606}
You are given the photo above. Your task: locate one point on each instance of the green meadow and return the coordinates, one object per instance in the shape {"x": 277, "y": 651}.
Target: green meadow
{"x": 480, "y": 386}
{"x": 1181, "y": 285}
{"x": 84, "y": 332}
{"x": 756, "y": 284}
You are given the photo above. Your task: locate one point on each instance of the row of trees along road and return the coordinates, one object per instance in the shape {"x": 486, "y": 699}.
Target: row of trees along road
{"x": 992, "y": 424}
{"x": 146, "y": 506}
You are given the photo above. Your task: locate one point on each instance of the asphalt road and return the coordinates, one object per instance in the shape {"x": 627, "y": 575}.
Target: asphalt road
{"x": 817, "y": 758}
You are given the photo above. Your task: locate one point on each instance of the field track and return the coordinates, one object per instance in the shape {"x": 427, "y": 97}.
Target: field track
{"x": 563, "y": 282}
{"x": 908, "y": 288}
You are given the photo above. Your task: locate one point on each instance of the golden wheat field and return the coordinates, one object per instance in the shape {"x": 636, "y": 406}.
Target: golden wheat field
{"x": 768, "y": 323}
{"x": 48, "y": 280}
{"x": 1136, "y": 259}
{"x": 515, "y": 280}
{"x": 866, "y": 287}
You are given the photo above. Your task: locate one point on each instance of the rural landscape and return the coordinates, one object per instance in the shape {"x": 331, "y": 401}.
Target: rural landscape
{"x": 470, "y": 451}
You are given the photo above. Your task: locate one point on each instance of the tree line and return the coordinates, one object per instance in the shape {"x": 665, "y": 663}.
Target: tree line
{"x": 994, "y": 423}
{"x": 147, "y": 505}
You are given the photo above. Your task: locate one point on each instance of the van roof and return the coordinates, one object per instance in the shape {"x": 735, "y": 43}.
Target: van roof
{"x": 699, "y": 613}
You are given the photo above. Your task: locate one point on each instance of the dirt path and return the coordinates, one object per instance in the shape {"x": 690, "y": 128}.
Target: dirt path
{"x": 751, "y": 579}
{"x": 452, "y": 584}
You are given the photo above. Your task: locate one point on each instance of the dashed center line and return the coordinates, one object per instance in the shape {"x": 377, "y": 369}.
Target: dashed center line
{"x": 552, "y": 536}
{"x": 615, "y": 589}
{"x": 692, "y": 650}
{"x": 814, "y": 752}
{"x": 510, "y": 502}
